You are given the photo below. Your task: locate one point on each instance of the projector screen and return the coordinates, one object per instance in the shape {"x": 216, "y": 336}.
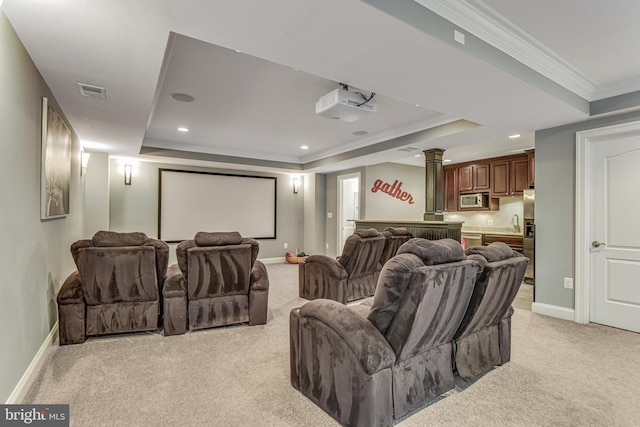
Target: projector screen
{"x": 191, "y": 201}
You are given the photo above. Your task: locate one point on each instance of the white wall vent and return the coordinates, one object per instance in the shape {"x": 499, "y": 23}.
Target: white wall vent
{"x": 92, "y": 91}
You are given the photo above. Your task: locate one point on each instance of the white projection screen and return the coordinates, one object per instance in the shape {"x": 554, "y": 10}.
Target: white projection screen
{"x": 191, "y": 201}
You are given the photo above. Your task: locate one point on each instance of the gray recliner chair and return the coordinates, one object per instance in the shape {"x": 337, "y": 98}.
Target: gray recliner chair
{"x": 394, "y": 238}
{"x": 352, "y": 276}
{"x": 116, "y": 288}
{"x": 374, "y": 367}
{"x": 217, "y": 281}
{"x": 483, "y": 339}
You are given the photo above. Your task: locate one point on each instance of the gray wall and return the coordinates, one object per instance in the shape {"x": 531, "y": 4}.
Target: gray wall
{"x": 315, "y": 187}
{"x": 35, "y": 258}
{"x": 135, "y": 207}
{"x": 555, "y": 207}
{"x": 96, "y": 194}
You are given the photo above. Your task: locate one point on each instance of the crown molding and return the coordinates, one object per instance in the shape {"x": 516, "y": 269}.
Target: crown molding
{"x": 488, "y": 25}
{"x": 619, "y": 87}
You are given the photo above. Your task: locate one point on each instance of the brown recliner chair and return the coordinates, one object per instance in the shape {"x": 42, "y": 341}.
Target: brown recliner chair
{"x": 374, "y": 367}
{"x": 394, "y": 238}
{"x": 217, "y": 281}
{"x": 483, "y": 339}
{"x": 352, "y": 276}
{"x": 116, "y": 288}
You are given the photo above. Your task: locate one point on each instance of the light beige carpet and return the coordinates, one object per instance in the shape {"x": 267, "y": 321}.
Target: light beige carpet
{"x": 561, "y": 374}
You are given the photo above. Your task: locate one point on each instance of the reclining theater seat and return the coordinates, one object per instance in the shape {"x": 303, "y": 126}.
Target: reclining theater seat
{"x": 373, "y": 369}
{"x": 217, "y": 281}
{"x": 394, "y": 238}
{"x": 483, "y": 340}
{"x": 116, "y": 288}
{"x": 352, "y": 276}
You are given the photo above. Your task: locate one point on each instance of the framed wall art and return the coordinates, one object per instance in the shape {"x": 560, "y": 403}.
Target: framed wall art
{"x": 56, "y": 164}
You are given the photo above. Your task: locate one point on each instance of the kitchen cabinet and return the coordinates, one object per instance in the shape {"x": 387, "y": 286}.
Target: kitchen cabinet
{"x": 474, "y": 178}
{"x": 514, "y": 242}
{"x": 509, "y": 176}
{"x": 451, "y": 193}
{"x": 531, "y": 157}
{"x": 499, "y": 176}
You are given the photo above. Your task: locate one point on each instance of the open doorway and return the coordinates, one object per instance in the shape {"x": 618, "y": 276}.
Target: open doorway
{"x": 348, "y": 206}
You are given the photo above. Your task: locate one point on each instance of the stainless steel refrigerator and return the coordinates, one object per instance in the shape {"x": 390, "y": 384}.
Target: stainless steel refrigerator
{"x": 529, "y": 237}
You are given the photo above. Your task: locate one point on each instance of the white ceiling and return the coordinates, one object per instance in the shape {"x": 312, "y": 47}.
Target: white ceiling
{"x": 257, "y": 107}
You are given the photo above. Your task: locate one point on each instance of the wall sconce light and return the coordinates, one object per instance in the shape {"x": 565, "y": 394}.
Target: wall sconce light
{"x": 127, "y": 174}
{"x": 84, "y": 161}
{"x": 295, "y": 185}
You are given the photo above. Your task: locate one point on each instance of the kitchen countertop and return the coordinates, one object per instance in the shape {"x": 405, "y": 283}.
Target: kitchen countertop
{"x": 502, "y": 231}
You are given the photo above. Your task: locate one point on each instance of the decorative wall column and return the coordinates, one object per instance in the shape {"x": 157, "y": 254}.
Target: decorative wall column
{"x": 434, "y": 200}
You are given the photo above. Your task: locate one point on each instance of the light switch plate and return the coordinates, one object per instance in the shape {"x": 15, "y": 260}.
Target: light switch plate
{"x": 568, "y": 282}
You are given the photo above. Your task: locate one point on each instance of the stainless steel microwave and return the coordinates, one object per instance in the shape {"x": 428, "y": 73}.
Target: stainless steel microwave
{"x": 477, "y": 200}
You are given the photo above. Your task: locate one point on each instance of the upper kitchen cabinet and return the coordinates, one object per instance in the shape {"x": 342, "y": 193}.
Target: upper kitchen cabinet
{"x": 531, "y": 156}
{"x": 474, "y": 178}
{"x": 451, "y": 193}
{"x": 509, "y": 176}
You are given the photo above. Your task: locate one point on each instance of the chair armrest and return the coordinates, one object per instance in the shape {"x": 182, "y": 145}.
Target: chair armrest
{"x": 320, "y": 276}
{"x": 327, "y": 265}
{"x": 71, "y": 290}
{"x": 356, "y": 334}
{"x": 71, "y": 311}
{"x": 259, "y": 278}
{"x": 258, "y": 294}
{"x": 174, "y": 284}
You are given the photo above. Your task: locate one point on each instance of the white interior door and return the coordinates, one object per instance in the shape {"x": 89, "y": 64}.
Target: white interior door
{"x": 614, "y": 255}
{"x": 348, "y": 207}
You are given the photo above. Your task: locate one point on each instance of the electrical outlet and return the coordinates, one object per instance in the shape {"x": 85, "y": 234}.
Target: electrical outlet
{"x": 568, "y": 282}
{"x": 329, "y": 215}
{"x": 490, "y": 222}
{"x": 286, "y": 245}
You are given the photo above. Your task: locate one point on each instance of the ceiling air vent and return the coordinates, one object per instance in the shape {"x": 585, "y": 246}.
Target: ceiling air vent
{"x": 408, "y": 149}
{"x": 92, "y": 91}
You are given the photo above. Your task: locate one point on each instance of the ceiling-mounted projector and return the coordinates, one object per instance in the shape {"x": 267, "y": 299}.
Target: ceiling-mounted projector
{"x": 340, "y": 104}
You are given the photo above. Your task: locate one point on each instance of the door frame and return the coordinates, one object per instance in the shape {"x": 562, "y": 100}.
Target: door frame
{"x": 582, "y": 282}
{"x": 339, "y": 219}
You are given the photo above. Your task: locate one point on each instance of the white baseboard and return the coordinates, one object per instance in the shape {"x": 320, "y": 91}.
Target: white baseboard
{"x": 276, "y": 260}
{"x": 21, "y": 389}
{"x": 553, "y": 311}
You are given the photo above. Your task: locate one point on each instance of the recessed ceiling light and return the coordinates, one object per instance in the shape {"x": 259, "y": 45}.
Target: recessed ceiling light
{"x": 447, "y": 161}
{"x": 182, "y": 97}
{"x": 183, "y": 129}
{"x": 418, "y": 155}
{"x": 360, "y": 132}
{"x": 236, "y": 50}
{"x": 514, "y": 136}
{"x": 417, "y": 105}
{"x": 304, "y": 147}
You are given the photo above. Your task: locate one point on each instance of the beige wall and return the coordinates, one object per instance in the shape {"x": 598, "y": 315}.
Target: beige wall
{"x": 34, "y": 259}
{"x": 382, "y": 206}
